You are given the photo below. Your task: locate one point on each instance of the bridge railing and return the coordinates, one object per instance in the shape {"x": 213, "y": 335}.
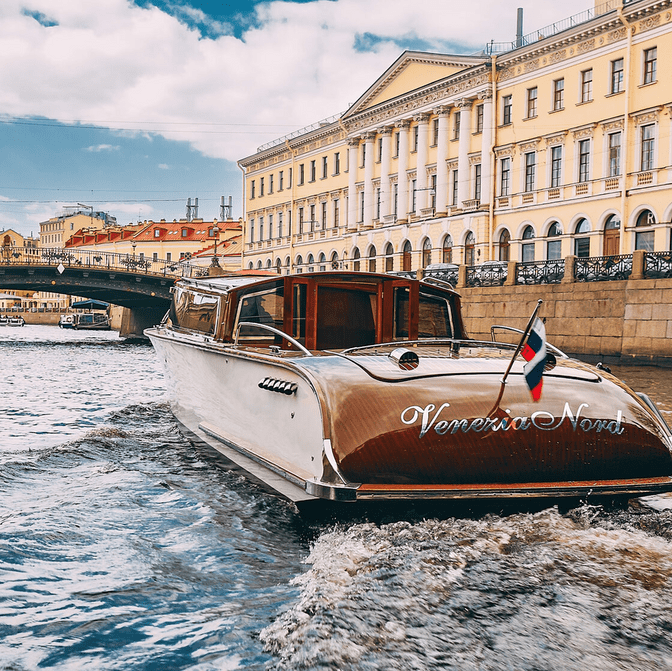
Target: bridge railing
{"x": 76, "y": 258}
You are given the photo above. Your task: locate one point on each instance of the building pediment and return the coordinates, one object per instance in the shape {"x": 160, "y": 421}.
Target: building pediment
{"x": 411, "y": 71}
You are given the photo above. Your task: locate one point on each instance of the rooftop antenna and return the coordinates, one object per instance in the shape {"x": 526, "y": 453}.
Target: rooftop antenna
{"x": 519, "y": 27}
{"x": 192, "y": 209}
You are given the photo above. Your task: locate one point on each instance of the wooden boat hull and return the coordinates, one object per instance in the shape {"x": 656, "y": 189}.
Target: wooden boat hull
{"x": 358, "y": 429}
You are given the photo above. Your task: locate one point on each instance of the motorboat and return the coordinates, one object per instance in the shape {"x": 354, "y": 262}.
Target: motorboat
{"x": 3, "y": 320}
{"x": 85, "y": 321}
{"x": 358, "y": 387}
{"x": 16, "y": 321}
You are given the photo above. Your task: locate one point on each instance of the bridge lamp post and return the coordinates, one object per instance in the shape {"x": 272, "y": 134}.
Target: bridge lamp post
{"x": 215, "y": 232}
{"x": 133, "y": 244}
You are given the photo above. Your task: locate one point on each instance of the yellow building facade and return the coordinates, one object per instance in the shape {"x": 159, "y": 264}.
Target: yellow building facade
{"x": 559, "y": 147}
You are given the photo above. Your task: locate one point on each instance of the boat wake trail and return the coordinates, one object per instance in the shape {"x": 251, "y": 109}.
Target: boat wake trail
{"x": 590, "y": 589}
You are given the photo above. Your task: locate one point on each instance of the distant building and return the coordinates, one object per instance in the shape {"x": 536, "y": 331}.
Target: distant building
{"x": 15, "y": 247}
{"x": 55, "y": 231}
{"x": 554, "y": 145}
{"x": 186, "y": 241}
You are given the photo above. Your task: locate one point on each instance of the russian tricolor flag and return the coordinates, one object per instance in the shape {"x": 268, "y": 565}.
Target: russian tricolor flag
{"x": 534, "y": 353}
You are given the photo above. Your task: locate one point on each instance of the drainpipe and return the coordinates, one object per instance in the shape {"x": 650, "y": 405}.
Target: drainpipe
{"x": 291, "y": 223}
{"x": 242, "y": 245}
{"x": 626, "y": 128}
{"x": 493, "y": 163}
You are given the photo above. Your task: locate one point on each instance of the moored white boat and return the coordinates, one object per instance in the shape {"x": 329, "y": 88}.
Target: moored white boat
{"x": 365, "y": 387}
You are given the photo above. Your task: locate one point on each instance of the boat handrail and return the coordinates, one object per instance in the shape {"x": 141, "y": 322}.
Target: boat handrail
{"x": 437, "y": 281}
{"x": 553, "y": 348}
{"x": 272, "y": 329}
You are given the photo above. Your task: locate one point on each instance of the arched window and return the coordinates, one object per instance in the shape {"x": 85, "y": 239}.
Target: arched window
{"x": 299, "y": 263}
{"x": 334, "y": 261}
{"x": 426, "y": 252}
{"x": 469, "y": 244}
{"x": 612, "y": 236}
{"x": 259, "y": 265}
{"x": 322, "y": 261}
{"x": 554, "y": 246}
{"x": 504, "y": 245}
{"x": 278, "y": 266}
{"x": 644, "y": 239}
{"x": 372, "y": 259}
{"x": 406, "y": 256}
{"x": 528, "y": 247}
{"x": 355, "y": 259}
{"x": 447, "y": 250}
{"x": 250, "y": 266}
{"x": 389, "y": 257}
{"x": 311, "y": 261}
{"x": 582, "y": 244}
{"x": 269, "y": 264}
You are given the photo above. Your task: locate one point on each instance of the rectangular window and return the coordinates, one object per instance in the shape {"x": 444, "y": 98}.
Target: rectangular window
{"x": 169, "y": 256}
{"x": 479, "y": 118}
{"x": 650, "y": 57}
{"x": 584, "y": 160}
{"x": 313, "y": 221}
{"x": 416, "y": 132}
{"x": 505, "y": 177}
{"x": 586, "y": 86}
{"x": 261, "y": 228}
{"x": 302, "y": 174}
{"x": 532, "y": 102}
{"x": 614, "y": 154}
{"x": 281, "y": 179}
{"x": 261, "y": 187}
{"x": 361, "y": 206}
{"x": 337, "y": 163}
{"x": 155, "y": 256}
{"x": 530, "y": 170}
{"x": 337, "y": 214}
{"x": 378, "y": 203}
{"x": 395, "y": 194}
{"x": 157, "y": 233}
{"x": 380, "y": 149}
{"x": 300, "y": 220}
{"x": 435, "y": 132}
{"x": 363, "y": 154}
{"x": 313, "y": 174}
{"x": 396, "y": 144}
{"x": 414, "y": 193}
{"x": 324, "y": 214}
{"x": 251, "y": 230}
{"x": 432, "y": 193}
{"x": 455, "y": 188}
{"x": 289, "y": 179}
{"x": 325, "y": 168}
{"x": 253, "y": 188}
{"x": 556, "y": 166}
{"x": 507, "y": 104}
{"x": 616, "y": 82}
{"x": 270, "y": 226}
{"x": 456, "y": 126}
{"x": 477, "y": 181}
{"x": 270, "y": 184}
{"x": 280, "y": 222}
{"x": 558, "y": 95}
{"x": 647, "y": 148}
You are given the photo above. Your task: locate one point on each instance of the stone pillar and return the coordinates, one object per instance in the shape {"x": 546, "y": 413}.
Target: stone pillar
{"x": 463, "y": 168}
{"x": 510, "y": 273}
{"x": 638, "y": 261}
{"x": 385, "y": 186}
{"x": 402, "y": 167}
{"x": 369, "y": 160}
{"x": 486, "y": 148}
{"x": 568, "y": 277}
{"x": 421, "y": 163}
{"x": 353, "y": 150}
{"x": 441, "y": 165}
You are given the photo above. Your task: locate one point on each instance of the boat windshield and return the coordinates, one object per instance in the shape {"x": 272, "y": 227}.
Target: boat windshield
{"x": 195, "y": 311}
{"x": 263, "y": 307}
{"x": 434, "y": 316}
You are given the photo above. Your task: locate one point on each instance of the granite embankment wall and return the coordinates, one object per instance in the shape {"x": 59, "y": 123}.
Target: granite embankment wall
{"x": 625, "y": 321}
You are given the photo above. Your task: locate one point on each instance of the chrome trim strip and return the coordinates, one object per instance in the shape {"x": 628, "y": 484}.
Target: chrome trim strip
{"x": 329, "y": 454}
{"x": 323, "y": 490}
{"x": 272, "y": 329}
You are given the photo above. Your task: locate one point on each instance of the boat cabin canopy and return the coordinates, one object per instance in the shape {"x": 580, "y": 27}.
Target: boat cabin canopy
{"x": 319, "y": 310}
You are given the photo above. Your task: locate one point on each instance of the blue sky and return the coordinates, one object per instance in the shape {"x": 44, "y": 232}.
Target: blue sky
{"x": 135, "y": 107}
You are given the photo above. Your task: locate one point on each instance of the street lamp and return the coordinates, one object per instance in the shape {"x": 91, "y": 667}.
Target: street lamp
{"x": 133, "y": 245}
{"x": 215, "y": 233}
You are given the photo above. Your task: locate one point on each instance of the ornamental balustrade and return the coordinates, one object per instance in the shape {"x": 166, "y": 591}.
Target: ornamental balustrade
{"x": 551, "y": 271}
{"x": 657, "y": 265}
{"x": 73, "y": 258}
{"x": 602, "y": 268}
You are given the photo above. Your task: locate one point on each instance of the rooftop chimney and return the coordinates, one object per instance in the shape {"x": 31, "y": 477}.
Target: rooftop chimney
{"x": 519, "y": 27}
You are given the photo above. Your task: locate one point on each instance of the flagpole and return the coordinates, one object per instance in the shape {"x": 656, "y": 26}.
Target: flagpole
{"x": 521, "y": 343}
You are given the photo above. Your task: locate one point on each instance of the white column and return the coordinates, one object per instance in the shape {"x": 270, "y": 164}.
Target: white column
{"x": 353, "y": 150}
{"x": 421, "y": 162}
{"x": 441, "y": 165}
{"x": 486, "y": 149}
{"x": 385, "y": 190}
{"x": 369, "y": 160}
{"x": 463, "y": 171}
{"x": 402, "y": 167}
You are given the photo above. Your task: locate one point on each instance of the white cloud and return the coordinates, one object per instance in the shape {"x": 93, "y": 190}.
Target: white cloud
{"x": 102, "y": 147}
{"x": 164, "y": 166}
{"x": 114, "y": 64}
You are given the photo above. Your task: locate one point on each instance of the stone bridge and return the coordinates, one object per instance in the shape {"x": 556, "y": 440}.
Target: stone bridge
{"x": 138, "y": 284}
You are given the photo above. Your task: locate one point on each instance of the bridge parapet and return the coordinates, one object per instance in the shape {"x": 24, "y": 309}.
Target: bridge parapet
{"x": 79, "y": 258}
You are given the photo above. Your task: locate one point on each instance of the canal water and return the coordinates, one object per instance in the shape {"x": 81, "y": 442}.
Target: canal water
{"x": 124, "y": 547}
